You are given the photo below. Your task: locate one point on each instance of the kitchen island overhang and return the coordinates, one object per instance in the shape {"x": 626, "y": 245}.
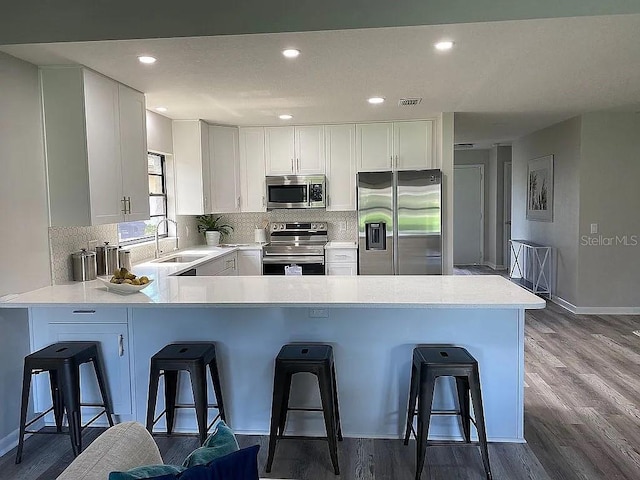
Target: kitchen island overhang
{"x": 373, "y": 324}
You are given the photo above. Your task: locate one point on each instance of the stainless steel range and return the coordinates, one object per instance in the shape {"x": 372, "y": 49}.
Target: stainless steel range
{"x": 296, "y": 243}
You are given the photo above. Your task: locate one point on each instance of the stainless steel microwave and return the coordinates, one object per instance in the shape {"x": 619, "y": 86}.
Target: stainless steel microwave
{"x": 296, "y": 192}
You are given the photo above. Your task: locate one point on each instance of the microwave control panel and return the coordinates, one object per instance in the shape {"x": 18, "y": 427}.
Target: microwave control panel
{"x": 315, "y": 192}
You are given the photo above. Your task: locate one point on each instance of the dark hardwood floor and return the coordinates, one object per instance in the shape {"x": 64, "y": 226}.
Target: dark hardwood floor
{"x": 582, "y": 420}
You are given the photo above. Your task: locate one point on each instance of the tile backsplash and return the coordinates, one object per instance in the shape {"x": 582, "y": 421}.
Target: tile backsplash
{"x": 63, "y": 241}
{"x": 342, "y": 226}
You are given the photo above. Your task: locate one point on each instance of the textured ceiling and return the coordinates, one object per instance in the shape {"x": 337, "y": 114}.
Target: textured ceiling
{"x": 503, "y": 79}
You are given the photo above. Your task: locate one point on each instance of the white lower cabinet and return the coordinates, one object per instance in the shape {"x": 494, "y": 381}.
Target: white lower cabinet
{"x": 250, "y": 262}
{"x": 225, "y": 265}
{"x": 107, "y": 327}
{"x": 342, "y": 260}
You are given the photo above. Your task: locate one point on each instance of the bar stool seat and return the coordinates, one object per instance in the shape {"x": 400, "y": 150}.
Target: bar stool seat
{"x": 318, "y": 360}
{"x": 429, "y": 363}
{"x": 193, "y": 358}
{"x": 62, "y": 361}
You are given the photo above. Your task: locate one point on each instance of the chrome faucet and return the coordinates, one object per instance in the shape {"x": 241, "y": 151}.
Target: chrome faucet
{"x": 165, "y": 220}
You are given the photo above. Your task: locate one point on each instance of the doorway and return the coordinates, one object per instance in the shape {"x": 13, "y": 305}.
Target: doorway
{"x": 468, "y": 214}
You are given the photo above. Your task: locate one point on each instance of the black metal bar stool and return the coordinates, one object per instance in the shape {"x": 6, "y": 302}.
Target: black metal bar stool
{"x": 62, "y": 361}
{"x": 193, "y": 358}
{"x": 429, "y": 363}
{"x": 310, "y": 358}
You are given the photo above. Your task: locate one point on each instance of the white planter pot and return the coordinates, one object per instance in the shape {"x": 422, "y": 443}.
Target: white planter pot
{"x": 213, "y": 238}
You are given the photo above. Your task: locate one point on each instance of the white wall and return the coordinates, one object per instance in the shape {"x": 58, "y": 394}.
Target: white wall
{"x": 159, "y": 133}
{"x": 609, "y": 274}
{"x": 24, "y": 244}
{"x": 563, "y": 141}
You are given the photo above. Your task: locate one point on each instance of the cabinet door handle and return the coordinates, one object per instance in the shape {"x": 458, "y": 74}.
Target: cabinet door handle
{"x": 298, "y": 164}
{"x": 292, "y": 167}
{"x": 120, "y": 345}
{"x": 238, "y": 202}
{"x": 391, "y": 159}
{"x": 124, "y": 205}
{"x": 128, "y": 203}
{"x": 396, "y": 161}
{"x": 84, "y": 312}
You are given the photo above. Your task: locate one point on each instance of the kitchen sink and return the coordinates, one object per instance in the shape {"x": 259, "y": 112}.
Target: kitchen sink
{"x": 181, "y": 259}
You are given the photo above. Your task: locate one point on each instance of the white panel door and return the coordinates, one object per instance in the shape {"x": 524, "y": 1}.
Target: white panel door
{"x": 252, "y": 171}
{"x": 309, "y": 143}
{"x": 225, "y": 185}
{"x": 468, "y": 205}
{"x": 413, "y": 145}
{"x": 114, "y": 347}
{"x": 133, "y": 151}
{"x": 374, "y": 146}
{"x": 341, "y": 167}
{"x": 279, "y": 150}
{"x": 250, "y": 262}
{"x": 103, "y": 149}
{"x": 506, "y": 252}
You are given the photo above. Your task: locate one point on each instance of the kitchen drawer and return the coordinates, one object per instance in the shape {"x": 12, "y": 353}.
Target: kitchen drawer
{"x": 79, "y": 314}
{"x": 341, "y": 255}
{"x": 219, "y": 266}
{"x": 345, "y": 269}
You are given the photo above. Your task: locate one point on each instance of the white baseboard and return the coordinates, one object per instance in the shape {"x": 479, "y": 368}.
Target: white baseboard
{"x": 594, "y": 310}
{"x": 10, "y": 442}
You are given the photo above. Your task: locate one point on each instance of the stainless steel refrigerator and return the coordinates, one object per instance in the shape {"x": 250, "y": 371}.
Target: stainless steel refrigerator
{"x": 400, "y": 223}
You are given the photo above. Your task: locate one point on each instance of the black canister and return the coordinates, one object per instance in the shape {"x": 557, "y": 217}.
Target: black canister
{"x": 106, "y": 259}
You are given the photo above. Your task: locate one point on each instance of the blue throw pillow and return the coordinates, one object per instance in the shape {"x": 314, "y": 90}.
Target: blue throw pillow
{"x": 239, "y": 465}
{"x": 220, "y": 443}
{"x": 159, "y": 472}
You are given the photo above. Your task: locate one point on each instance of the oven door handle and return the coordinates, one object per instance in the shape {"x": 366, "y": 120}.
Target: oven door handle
{"x": 293, "y": 259}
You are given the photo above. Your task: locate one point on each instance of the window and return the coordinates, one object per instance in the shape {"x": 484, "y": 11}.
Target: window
{"x": 134, "y": 232}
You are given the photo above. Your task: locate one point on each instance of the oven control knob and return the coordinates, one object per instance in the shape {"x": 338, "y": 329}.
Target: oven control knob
{"x": 313, "y": 226}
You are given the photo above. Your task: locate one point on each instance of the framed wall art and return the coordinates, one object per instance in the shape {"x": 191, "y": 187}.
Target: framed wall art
{"x": 540, "y": 189}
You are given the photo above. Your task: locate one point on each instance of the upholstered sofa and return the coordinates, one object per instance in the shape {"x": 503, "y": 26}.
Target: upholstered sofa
{"x": 122, "y": 447}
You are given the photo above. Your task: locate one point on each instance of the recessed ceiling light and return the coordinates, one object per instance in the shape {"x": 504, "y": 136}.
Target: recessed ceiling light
{"x": 147, "y": 59}
{"x": 285, "y": 116}
{"x": 291, "y": 53}
{"x": 444, "y": 45}
{"x": 375, "y": 100}
{"x": 161, "y": 109}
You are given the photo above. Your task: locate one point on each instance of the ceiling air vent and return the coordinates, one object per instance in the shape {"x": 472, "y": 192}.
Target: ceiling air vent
{"x": 463, "y": 146}
{"x": 409, "y": 102}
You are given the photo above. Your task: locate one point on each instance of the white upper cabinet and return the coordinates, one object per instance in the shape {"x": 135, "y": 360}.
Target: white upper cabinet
{"x": 374, "y": 146}
{"x": 279, "y": 150}
{"x": 309, "y": 147}
{"x": 340, "y": 150}
{"x": 396, "y": 146}
{"x": 295, "y": 150}
{"x": 95, "y": 143}
{"x": 224, "y": 169}
{"x": 192, "y": 174}
{"x": 413, "y": 145}
{"x": 133, "y": 146}
{"x": 252, "y": 171}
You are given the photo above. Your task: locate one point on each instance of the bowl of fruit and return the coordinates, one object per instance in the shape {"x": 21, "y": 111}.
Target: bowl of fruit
{"x": 124, "y": 281}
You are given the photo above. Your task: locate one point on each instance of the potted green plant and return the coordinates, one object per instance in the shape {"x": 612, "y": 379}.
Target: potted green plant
{"x": 213, "y": 228}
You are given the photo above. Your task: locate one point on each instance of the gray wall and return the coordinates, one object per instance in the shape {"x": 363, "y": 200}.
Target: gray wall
{"x": 609, "y": 275}
{"x": 478, "y": 157}
{"x": 563, "y": 141}
{"x": 35, "y": 21}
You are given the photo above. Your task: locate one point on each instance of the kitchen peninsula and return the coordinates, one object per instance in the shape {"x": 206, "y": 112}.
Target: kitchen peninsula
{"x": 373, "y": 322}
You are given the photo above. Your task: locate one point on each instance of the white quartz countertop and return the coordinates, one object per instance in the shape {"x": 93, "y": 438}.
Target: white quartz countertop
{"x": 285, "y": 291}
